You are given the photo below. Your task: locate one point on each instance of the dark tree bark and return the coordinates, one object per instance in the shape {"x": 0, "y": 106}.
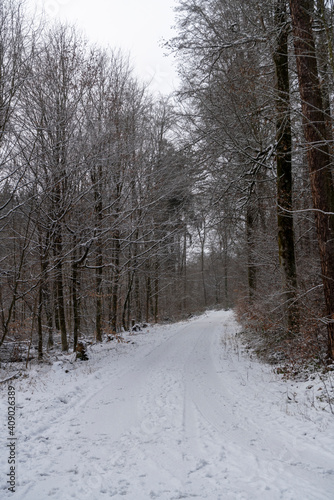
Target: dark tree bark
{"x": 116, "y": 277}
{"x": 148, "y": 303}
{"x": 39, "y": 324}
{"x": 45, "y": 288}
{"x": 317, "y": 149}
{"x": 77, "y": 262}
{"x": 184, "y": 270}
{"x": 127, "y": 303}
{"x": 284, "y": 175}
{"x": 137, "y": 297}
{"x": 156, "y": 292}
{"x": 59, "y": 284}
{"x": 75, "y": 296}
{"x": 98, "y": 206}
{"x": 251, "y": 268}
{"x": 58, "y": 196}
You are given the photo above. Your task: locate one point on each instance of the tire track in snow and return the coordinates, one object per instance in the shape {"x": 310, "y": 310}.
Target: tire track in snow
{"x": 188, "y": 418}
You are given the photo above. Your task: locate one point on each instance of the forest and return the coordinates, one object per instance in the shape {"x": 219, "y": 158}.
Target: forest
{"x": 119, "y": 208}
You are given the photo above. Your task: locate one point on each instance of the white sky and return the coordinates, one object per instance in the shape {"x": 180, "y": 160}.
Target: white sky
{"x": 136, "y": 26}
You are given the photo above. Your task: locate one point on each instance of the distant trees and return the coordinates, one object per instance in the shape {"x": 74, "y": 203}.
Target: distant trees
{"x": 226, "y": 65}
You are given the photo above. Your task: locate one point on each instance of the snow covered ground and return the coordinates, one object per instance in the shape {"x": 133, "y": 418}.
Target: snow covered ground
{"x": 183, "y": 412}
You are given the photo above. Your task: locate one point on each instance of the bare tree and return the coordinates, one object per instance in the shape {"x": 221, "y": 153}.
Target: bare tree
{"x": 52, "y": 100}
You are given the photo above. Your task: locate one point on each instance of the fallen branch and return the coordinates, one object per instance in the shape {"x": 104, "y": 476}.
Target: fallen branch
{"x": 10, "y": 378}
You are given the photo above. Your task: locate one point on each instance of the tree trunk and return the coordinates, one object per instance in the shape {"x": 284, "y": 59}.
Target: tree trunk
{"x": 184, "y": 268}
{"x": 225, "y": 267}
{"x": 116, "y": 262}
{"x": 60, "y": 287}
{"x": 40, "y": 324}
{"x": 317, "y": 150}
{"x": 75, "y": 295}
{"x": 202, "y": 260}
{"x": 284, "y": 175}
{"x": 326, "y": 67}
{"x": 127, "y": 302}
{"x": 156, "y": 292}
{"x": 148, "y": 297}
{"x": 98, "y": 291}
{"x": 137, "y": 297}
{"x": 97, "y": 180}
{"x": 250, "y": 223}
{"x": 46, "y": 298}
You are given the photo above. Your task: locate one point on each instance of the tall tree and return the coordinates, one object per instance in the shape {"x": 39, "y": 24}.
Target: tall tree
{"x": 284, "y": 171}
{"x": 52, "y": 98}
{"x": 318, "y": 154}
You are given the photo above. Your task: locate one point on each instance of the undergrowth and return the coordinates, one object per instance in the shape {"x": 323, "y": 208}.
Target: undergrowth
{"x": 301, "y": 356}
{"x": 292, "y": 354}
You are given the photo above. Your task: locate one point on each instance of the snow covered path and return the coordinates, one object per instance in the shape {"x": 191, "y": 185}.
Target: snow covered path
{"x": 181, "y": 414}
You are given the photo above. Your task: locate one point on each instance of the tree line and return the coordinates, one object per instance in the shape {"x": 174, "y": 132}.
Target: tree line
{"x": 119, "y": 207}
{"x": 257, "y": 93}
{"x": 93, "y": 190}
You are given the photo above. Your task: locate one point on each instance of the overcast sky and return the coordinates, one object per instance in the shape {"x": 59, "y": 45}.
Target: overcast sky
{"x": 137, "y": 26}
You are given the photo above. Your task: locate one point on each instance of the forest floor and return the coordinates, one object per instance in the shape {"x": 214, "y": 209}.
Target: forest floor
{"x": 180, "y": 411}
